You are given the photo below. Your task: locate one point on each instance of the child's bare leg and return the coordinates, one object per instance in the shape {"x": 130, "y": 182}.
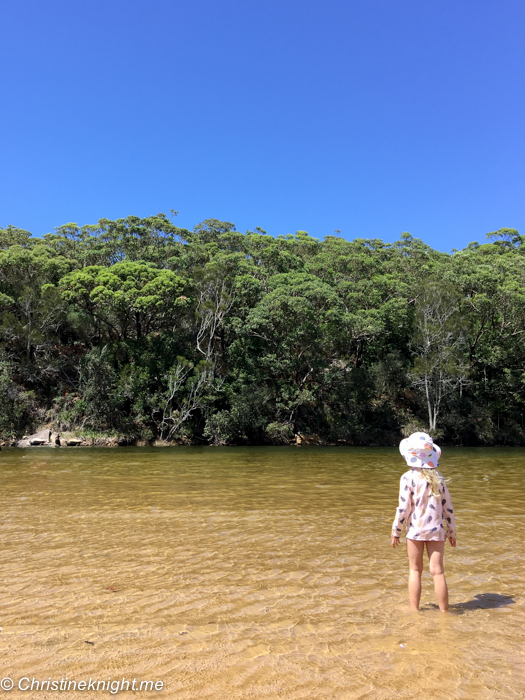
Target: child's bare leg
{"x": 435, "y": 551}
{"x": 415, "y": 561}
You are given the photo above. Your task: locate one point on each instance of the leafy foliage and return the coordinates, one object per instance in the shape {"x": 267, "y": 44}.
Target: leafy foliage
{"x": 139, "y": 328}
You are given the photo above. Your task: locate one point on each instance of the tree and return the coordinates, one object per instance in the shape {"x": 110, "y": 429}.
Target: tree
{"x": 439, "y": 367}
{"x": 186, "y": 393}
{"x": 127, "y": 300}
{"x": 138, "y": 327}
{"x": 153, "y": 239}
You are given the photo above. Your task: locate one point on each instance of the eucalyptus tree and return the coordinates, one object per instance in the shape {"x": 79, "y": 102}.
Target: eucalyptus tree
{"x": 440, "y": 365}
{"x": 142, "y": 328}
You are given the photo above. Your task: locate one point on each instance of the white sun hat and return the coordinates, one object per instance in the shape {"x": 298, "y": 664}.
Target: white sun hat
{"x": 420, "y": 451}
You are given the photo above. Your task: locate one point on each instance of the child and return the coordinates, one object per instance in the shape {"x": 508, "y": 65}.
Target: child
{"x": 426, "y": 510}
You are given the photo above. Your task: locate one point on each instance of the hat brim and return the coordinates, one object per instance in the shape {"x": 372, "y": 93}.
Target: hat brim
{"x": 415, "y": 459}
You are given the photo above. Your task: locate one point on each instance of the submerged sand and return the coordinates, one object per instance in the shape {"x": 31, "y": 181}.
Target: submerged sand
{"x": 255, "y": 573}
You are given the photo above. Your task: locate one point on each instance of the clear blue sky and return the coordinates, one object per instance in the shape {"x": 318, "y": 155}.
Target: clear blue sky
{"x": 369, "y": 116}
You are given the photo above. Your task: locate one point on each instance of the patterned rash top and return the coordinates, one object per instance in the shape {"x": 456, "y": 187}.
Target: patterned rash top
{"x": 425, "y": 516}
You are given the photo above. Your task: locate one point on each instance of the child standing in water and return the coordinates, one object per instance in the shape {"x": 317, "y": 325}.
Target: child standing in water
{"x": 426, "y": 510}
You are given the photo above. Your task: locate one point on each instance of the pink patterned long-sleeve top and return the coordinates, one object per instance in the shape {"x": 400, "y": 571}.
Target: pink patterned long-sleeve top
{"x": 426, "y": 517}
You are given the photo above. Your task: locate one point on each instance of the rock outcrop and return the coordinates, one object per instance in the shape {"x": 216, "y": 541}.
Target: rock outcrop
{"x": 48, "y": 438}
{"x": 40, "y": 438}
{"x": 309, "y": 439}
{"x": 43, "y": 437}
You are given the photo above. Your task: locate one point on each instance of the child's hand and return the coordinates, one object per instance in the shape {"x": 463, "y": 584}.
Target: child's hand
{"x": 452, "y": 541}
{"x": 395, "y": 541}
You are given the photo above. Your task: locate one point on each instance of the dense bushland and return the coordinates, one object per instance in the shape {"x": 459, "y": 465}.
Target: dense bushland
{"x": 139, "y": 328}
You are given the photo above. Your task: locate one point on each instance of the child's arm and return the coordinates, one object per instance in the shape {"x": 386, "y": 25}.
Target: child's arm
{"x": 405, "y": 501}
{"x": 448, "y": 516}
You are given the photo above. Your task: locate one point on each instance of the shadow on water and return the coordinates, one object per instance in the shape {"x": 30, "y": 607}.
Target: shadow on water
{"x": 481, "y": 601}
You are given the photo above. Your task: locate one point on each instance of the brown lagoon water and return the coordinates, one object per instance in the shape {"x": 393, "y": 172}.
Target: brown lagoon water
{"x": 255, "y": 573}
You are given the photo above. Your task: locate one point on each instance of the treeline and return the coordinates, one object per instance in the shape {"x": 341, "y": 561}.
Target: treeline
{"x": 141, "y": 329}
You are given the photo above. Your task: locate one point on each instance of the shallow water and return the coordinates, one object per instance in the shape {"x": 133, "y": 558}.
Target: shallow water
{"x": 255, "y": 573}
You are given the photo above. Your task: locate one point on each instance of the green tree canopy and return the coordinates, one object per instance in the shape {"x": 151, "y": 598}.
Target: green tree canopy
{"x": 148, "y": 330}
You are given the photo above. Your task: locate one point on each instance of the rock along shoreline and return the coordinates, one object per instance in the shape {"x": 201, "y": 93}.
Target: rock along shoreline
{"x": 50, "y": 438}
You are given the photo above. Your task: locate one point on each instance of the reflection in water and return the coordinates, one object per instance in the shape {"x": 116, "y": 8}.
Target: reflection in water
{"x": 256, "y": 572}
